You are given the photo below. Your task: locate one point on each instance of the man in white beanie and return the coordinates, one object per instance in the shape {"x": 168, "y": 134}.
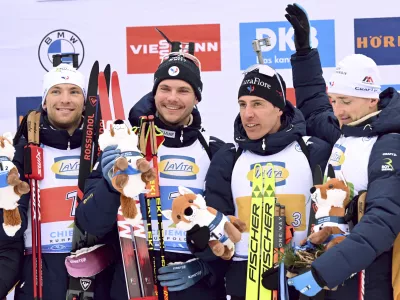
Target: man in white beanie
{"x": 64, "y": 97}
{"x": 362, "y": 124}
{"x": 60, "y": 134}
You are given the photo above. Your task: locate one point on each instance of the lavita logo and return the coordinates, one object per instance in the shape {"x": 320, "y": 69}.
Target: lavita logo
{"x": 281, "y": 34}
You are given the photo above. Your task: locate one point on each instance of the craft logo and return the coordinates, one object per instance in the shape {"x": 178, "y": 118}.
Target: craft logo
{"x": 178, "y": 167}
{"x": 60, "y": 41}
{"x": 281, "y": 173}
{"x": 337, "y": 156}
{"x": 379, "y": 39}
{"x": 66, "y": 167}
{"x": 281, "y": 35}
{"x": 146, "y": 47}
{"x": 368, "y": 80}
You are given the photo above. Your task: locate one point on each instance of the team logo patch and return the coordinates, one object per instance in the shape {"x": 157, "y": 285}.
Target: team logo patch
{"x": 66, "y": 167}
{"x": 281, "y": 173}
{"x": 178, "y": 167}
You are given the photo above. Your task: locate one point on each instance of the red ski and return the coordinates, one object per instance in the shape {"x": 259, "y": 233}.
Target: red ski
{"x": 137, "y": 266}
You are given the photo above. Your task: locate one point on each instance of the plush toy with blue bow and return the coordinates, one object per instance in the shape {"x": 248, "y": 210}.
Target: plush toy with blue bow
{"x": 130, "y": 172}
{"x": 11, "y": 187}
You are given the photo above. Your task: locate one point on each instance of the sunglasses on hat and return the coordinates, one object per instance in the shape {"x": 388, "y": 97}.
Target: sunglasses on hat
{"x": 267, "y": 71}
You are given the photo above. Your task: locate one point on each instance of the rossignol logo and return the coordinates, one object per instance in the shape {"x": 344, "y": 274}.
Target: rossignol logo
{"x": 93, "y": 100}
{"x": 256, "y": 81}
{"x": 146, "y": 46}
{"x": 59, "y": 41}
{"x": 89, "y": 138}
{"x": 85, "y": 283}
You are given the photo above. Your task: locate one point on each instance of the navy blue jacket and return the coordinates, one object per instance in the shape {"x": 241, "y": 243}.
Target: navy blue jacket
{"x": 55, "y": 276}
{"x": 218, "y": 180}
{"x": 98, "y": 215}
{"x": 367, "y": 245}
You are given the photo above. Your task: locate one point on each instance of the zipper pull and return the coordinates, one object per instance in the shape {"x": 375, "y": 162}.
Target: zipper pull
{"x": 181, "y": 136}
{"x": 263, "y": 144}
{"x": 69, "y": 144}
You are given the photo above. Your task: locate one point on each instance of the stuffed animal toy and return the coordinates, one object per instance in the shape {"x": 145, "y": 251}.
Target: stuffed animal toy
{"x": 190, "y": 210}
{"x": 331, "y": 199}
{"x": 130, "y": 172}
{"x": 11, "y": 187}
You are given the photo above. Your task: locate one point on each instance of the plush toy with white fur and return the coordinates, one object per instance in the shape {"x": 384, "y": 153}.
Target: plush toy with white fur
{"x": 11, "y": 187}
{"x": 331, "y": 199}
{"x": 190, "y": 210}
{"x": 130, "y": 172}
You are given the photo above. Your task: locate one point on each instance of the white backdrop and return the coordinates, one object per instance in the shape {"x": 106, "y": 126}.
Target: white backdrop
{"x": 102, "y": 25}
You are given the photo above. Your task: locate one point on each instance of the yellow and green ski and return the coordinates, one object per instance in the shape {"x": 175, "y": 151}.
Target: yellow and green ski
{"x": 261, "y": 233}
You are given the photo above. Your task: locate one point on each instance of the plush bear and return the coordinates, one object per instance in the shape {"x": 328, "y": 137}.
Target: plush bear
{"x": 190, "y": 210}
{"x": 131, "y": 171}
{"x": 11, "y": 187}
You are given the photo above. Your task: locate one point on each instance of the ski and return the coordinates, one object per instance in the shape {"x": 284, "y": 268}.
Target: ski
{"x": 33, "y": 169}
{"x": 267, "y": 240}
{"x": 254, "y": 255}
{"x": 88, "y": 157}
{"x": 139, "y": 282}
{"x": 156, "y": 139}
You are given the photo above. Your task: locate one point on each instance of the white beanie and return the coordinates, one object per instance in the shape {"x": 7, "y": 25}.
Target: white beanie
{"x": 356, "y": 75}
{"x": 63, "y": 73}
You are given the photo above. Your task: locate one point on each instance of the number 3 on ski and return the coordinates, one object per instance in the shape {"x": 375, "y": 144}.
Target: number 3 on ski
{"x": 261, "y": 249}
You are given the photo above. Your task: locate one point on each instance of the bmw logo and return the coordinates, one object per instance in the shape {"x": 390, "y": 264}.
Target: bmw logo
{"x": 60, "y": 41}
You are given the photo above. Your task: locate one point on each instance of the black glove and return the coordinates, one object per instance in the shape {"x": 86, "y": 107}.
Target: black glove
{"x": 197, "y": 238}
{"x": 297, "y": 16}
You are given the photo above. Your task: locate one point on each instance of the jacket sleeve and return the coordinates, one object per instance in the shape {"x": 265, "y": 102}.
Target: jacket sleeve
{"x": 11, "y": 257}
{"x": 23, "y": 202}
{"x": 378, "y": 228}
{"x": 219, "y": 196}
{"x": 320, "y": 152}
{"x": 218, "y": 192}
{"x": 312, "y": 99}
{"x": 97, "y": 212}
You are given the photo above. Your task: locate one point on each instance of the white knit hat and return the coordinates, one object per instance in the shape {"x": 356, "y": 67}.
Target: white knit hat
{"x": 63, "y": 73}
{"x": 356, "y": 75}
